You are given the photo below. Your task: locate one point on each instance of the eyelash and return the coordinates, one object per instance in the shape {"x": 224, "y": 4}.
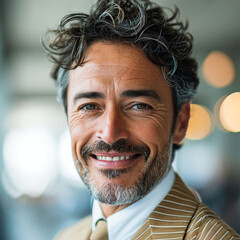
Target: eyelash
{"x": 137, "y": 107}
{"x": 84, "y": 107}
{"x": 146, "y": 106}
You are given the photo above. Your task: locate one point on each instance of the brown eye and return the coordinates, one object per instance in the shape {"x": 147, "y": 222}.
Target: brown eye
{"x": 89, "y": 107}
{"x": 141, "y": 106}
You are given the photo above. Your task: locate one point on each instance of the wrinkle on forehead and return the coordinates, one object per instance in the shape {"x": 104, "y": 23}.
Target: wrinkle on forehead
{"x": 115, "y": 67}
{"x": 107, "y": 58}
{"x": 92, "y": 70}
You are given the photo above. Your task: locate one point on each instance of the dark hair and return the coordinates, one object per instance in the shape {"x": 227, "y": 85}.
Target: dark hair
{"x": 140, "y": 23}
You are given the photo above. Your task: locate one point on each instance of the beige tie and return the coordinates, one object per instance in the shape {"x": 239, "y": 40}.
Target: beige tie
{"x": 100, "y": 233}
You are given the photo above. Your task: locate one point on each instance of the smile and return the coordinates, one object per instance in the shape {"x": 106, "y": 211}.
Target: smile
{"x": 115, "y": 158}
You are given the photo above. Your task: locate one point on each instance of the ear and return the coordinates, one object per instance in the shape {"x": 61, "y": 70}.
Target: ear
{"x": 181, "y": 124}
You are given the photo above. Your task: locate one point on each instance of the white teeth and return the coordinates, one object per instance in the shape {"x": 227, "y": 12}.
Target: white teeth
{"x": 118, "y": 158}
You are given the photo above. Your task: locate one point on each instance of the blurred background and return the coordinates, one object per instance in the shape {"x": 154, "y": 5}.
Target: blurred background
{"x": 40, "y": 191}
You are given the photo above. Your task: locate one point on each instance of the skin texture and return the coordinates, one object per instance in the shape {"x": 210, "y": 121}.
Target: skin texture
{"x": 119, "y": 96}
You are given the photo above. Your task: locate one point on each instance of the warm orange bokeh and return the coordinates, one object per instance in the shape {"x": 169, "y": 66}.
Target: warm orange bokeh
{"x": 200, "y": 123}
{"x": 229, "y": 113}
{"x": 218, "y": 69}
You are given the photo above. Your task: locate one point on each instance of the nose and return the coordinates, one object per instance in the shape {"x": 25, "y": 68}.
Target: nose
{"x": 112, "y": 126}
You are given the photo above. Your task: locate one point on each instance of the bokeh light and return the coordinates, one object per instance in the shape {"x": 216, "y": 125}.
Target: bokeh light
{"x": 218, "y": 69}
{"x": 216, "y": 111}
{"x": 200, "y": 123}
{"x": 29, "y": 161}
{"x": 229, "y": 113}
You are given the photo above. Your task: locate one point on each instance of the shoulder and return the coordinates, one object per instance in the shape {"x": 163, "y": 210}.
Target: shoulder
{"x": 81, "y": 228}
{"x": 205, "y": 224}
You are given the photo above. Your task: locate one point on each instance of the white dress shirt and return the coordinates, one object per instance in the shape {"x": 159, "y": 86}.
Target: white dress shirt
{"x": 123, "y": 224}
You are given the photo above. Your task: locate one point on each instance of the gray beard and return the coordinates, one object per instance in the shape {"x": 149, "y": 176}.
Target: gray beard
{"x": 118, "y": 194}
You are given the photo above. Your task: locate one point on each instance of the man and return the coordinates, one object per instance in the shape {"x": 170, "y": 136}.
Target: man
{"x": 126, "y": 78}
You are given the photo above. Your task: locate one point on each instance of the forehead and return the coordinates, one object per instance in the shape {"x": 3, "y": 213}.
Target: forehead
{"x": 116, "y": 66}
{"x": 119, "y": 53}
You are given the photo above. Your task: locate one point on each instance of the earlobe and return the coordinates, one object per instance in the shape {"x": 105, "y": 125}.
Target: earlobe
{"x": 181, "y": 124}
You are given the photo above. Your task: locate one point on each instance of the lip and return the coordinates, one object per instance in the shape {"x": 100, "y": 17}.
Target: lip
{"x": 103, "y": 164}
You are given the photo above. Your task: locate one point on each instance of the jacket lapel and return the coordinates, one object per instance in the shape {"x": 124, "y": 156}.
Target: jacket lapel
{"x": 79, "y": 231}
{"x": 171, "y": 217}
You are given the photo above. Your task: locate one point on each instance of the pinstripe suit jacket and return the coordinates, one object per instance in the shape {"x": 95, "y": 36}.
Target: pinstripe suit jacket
{"x": 179, "y": 216}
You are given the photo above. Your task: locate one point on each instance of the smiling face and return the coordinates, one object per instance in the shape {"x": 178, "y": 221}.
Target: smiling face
{"x": 120, "y": 114}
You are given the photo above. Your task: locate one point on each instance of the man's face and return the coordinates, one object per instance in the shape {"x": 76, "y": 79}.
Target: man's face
{"x": 120, "y": 114}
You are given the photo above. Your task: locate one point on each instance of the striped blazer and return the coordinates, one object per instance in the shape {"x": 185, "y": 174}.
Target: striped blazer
{"x": 179, "y": 216}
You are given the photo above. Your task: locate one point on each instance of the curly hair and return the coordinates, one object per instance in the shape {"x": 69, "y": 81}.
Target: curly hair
{"x": 141, "y": 23}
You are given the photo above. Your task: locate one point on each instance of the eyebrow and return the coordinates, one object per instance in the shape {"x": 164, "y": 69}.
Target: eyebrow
{"x": 128, "y": 93}
{"x": 87, "y": 95}
{"x": 141, "y": 93}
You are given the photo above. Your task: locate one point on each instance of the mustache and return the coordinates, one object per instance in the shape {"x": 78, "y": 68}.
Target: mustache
{"x": 120, "y": 146}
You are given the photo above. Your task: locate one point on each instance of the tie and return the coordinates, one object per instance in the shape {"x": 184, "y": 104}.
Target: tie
{"x": 100, "y": 233}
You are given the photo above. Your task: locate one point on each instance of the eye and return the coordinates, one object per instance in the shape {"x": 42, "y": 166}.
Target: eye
{"x": 141, "y": 106}
{"x": 89, "y": 107}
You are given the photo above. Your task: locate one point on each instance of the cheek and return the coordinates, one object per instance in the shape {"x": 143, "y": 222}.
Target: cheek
{"x": 156, "y": 127}
{"x": 79, "y": 124}
{"x": 162, "y": 124}
{"x": 75, "y": 139}
{"x": 75, "y": 120}
{"x": 80, "y": 132}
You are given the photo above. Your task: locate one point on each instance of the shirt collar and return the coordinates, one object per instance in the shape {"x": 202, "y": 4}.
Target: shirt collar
{"x": 123, "y": 224}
